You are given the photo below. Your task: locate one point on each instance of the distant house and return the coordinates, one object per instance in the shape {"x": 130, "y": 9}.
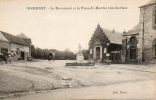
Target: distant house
{"x": 18, "y": 45}
{"x": 105, "y": 45}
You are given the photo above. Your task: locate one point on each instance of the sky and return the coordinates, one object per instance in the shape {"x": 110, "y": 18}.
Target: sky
{"x": 63, "y": 28}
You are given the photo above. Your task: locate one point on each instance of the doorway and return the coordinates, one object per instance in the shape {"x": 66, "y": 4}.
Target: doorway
{"x": 154, "y": 48}
{"x": 133, "y": 53}
{"x": 97, "y": 52}
{"x": 22, "y": 56}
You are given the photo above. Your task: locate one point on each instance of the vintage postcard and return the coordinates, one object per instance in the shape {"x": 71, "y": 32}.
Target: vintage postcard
{"x": 78, "y": 49}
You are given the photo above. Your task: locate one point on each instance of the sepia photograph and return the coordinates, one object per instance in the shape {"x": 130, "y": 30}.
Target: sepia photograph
{"x": 77, "y": 49}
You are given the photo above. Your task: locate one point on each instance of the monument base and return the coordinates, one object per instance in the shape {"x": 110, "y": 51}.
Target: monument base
{"x": 80, "y": 58}
{"x": 80, "y": 64}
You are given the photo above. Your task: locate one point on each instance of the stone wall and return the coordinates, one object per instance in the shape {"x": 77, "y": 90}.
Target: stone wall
{"x": 147, "y": 14}
{"x": 146, "y": 27}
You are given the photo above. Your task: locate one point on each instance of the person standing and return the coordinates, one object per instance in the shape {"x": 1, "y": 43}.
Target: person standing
{"x": 5, "y": 57}
{"x": 9, "y": 56}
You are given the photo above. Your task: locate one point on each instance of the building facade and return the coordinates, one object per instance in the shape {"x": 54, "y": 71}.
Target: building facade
{"x": 139, "y": 44}
{"x": 19, "y": 47}
{"x": 105, "y": 46}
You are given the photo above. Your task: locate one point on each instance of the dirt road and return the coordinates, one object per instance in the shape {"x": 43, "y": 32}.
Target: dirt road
{"x": 128, "y": 90}
{"x": 115, "y": 81}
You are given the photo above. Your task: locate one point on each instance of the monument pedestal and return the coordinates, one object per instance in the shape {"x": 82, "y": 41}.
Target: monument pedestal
{"x": 80, "y": 57}
{"x": 80, "y": 60}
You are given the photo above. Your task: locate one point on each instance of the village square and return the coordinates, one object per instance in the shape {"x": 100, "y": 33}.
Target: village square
{"x": 116, "y": 65}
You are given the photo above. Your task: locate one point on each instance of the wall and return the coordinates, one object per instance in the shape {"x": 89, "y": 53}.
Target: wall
{"x": 4, "y": 45}
{"x": 2, "y": 38}
{"x": 149, "y": 31}
{"x": 22, "y": 48}
{"x": 144, "y": 42}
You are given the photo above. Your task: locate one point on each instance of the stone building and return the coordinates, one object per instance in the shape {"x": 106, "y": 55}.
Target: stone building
{"x": 105, "y": 46}
{"x": 139, "y": 44}
{"x": 17, "y": 45}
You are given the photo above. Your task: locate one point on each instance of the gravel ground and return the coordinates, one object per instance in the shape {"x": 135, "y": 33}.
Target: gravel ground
{"x": 44, "y": 75}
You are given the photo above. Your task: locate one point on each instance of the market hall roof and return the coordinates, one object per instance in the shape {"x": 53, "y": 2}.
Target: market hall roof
{"x": 151, "y": 2}
{"x": 15, "y": 39}
{"x": 113, "y": 36}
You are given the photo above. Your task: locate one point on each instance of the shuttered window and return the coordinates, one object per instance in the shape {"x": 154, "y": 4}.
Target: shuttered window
{"x": 154, "y": 18}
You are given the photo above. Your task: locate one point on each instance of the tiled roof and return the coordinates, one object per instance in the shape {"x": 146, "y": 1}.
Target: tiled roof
{"x": 25, "y": 38}
{"x": 2, "y": 38}
{"x": 22, "y": 35}
{"x": 113, "y": 36}
{"x": 135, "y": 30}
{"x": 15, "y": 39}
{"x": 151, "y": 2}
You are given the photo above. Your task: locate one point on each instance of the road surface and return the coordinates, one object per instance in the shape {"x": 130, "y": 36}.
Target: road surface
{"x": 115, "y": 81}
{"x": 127, "y": 90}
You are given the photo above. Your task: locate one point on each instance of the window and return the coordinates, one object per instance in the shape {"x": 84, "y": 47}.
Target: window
{"x": 105, "y": 50}
{"x": 133, "y": 40}
{"x": 155, "y": 15}
{"x": 154, "y": 18}
{"x": 154, "y": 48}
{"x": 90, "y": 51}
{"x": 97, "y": 41}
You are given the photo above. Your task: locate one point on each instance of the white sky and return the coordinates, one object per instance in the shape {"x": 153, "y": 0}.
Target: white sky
{"x": 61, "y": 29}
